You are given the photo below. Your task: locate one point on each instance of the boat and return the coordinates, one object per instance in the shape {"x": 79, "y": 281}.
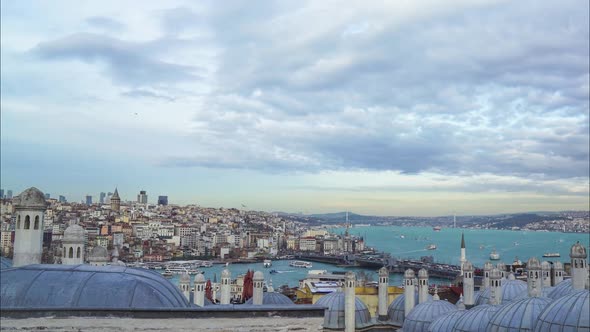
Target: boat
{"x": 167, "y": 274}
{"x": 516, "y": 261}
{"x": 431, "y": 247}
{"x": 481, "y": 246}
{"x": 402, "y": 236}
{"x": 267, "y": 263}
{"x": 302, "y": 264}
{"x": 436, "y": 228}
{"x": 551, "y": 254}
{"x": 516, "y": 243}
{"x": 494, "y": 255}
{"x": 273, "y": 272}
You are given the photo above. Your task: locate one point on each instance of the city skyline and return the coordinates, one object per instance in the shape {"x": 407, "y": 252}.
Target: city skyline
{"x": 419, "y": 109}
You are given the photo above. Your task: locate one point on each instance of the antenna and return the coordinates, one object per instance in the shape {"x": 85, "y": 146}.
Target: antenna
{"x": 454, "y": 220}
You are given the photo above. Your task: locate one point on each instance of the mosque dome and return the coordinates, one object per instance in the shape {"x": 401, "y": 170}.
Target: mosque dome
{"x": 98, "y": 254}
{"x": 562, "y": 289}
{"x": 334, "y": 316}
{"x": 545, "y": 265}
{"x": 445, "y": 322}
{"x": 185, "y": 278}
{"x": 475, "y": 319}
{"x": 488, "y": 266}
{"x": 519, "y": 315}
{"x": 85, "y": 286}
{"x": 557, "y": 266}
{"x": 511, "y": 290}
{"x": 422, "y": 273}
{"x": 533, "y": 264}
{"x": 225, "y": 273}
{"x": 396, "y": 310}
{"x": 199, "y": 277}
{"x": 425, "y": 313}
{"x": 258, "y": 276}
{"x": 5, "y": 263}
{"x": 273, "y": 298}
{"x": 569, "y": 313}
{"x": 31, "y": 198}
{"x": 74, "y": 233}
{"x": 578, "y": 251}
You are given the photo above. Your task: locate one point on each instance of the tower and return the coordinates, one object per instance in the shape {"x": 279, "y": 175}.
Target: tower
{"x": 199, "y": 297}
{"x": 495, "y": 287}
{"x": 487, "y": 268}
{"x": 468, "y": 284}
{"x": 409, "y": 289}
{"x": 545, "y": 274}
{"x": 258, "y": 280}
{"x": 73, "y": 245}
{"x": 422, "y": 286}
{"x": 463, "y": 256}
{"x": 349, "y": 302}
{"x": 579, "y": 266}
{"x": 534, "y": 277}
{"x": 225, "y": 286}
{"x": 185, "y": 285}
{"x": 116, "y": 201}
{"x": 557, "y": 273}
{"x": 29, "y": 208}
{"x": 383, "y": 283}
{"x": 502, "y": 268}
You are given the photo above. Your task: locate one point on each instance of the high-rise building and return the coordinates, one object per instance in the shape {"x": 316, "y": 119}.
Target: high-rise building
{"x": 1, "y": 193}
{"x": 88, "y": 200}
{"x": 47, "y": 195}
{"x": 101, "y": 198}
{"x": 62, "y": 199}
{"x": 162, "y": 200}
{"x": 142, "y": 197}
{"x": 9, "y": 194}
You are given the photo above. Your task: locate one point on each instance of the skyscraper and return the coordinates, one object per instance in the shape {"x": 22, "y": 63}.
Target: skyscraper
{"x": 62, "y": 199}
{"x": 1, "y": 193}
{"x": 9, "y": 194}
{"x": 101, "y": 198}
{"x": 162, "y": 200}
{"x": 142, "y": 197}
{"x": 47, "y": 195}
{"x": 88, "y": 200}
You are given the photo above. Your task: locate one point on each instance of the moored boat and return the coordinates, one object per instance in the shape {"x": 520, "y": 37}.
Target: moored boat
{"x": 551, "y": 254}
{"x": 300, "y": 264}
{"x": 494, "y": 255}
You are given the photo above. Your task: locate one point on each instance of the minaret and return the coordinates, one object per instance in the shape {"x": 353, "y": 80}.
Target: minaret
{"x": 349, "y": 302}
{"x": 495, "y": 287}
{"x": 116, "y": 201}
{"x": 422, "y": 286}
{"x": 225, "y": 286}
{"x": 258, "y": 280}
{"x": 463, "y": 256}
{"x": 502, "y": 268}
{"x": 487, "y": 268}
{"x": 468, "y": 284}
{"x": 409, "y": 289}
{"x": 199, "y": 297}
{"x": 579, "y": 268}
{"x": 185, "y": 285}
{"x": 383, "y": 284}
{"x": 545, "y": 274}
{"x": 73, "y": 245}
{"x": 557, "y": 273}
{"x": 533, "y": 277}
{"x": 29, "y": 208}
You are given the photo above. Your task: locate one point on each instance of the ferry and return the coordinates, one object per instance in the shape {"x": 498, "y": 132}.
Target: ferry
{"x": 436, "y": 228}
{"x": 167, "y": 274}
{"x": 431, "y": 247}
{"x": 402, "y": 236}
{"x": 494, "y": 255}
{"x": 551, "y": 254}
{"x": 267, "y": 263}
{"x": 301, "y": 264}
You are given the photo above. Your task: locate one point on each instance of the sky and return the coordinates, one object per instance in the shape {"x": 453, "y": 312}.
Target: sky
{"x": 385, "y": 108}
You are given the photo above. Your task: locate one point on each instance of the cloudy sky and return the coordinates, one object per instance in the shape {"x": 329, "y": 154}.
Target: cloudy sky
{"x": 387, "y": 108}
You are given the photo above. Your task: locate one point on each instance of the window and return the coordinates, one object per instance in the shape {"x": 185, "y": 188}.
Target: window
{"x": 36, "y": 222}
{"x": 18, "y": 222}
{"x": 78, "y": 253}
{"x": 27, "y": 222}
{"x": 71, "y": 254}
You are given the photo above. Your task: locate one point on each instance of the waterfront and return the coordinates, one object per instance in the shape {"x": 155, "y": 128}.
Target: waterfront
{"x": 413, "y": 245}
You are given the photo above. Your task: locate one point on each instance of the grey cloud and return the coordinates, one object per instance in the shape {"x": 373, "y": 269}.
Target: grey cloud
{"x": 106, "y": 23}
{"x": 142, "y": 93}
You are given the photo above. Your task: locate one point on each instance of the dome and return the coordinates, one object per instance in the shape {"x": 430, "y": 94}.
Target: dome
{"x": 334, "y": 316}
{"x": 569, "y": 313}
{"x": 445, "y": 323}
{"x": 85, "y": 286}
{"x": 396, "y": 310}
{"x": 511, "y": 290}
{"x": 533, "y": 264}
{"x": 488, "y": 266}
{"x": 545, "y": 265}
{"x": 258, "y": 276}
{"x": 5, "y": 263}
{"x": 475, "y": 319}
{"x": 225, "y": 273}
{"x": 31, "y": 198}
{"x": 273, "y": 298}
{"x": 557, "y": 266}
{"x": 98, "y": 254}
{"x": 185, "y": 278}
{"x": 562, "y": 289}
{"x": 409, "y": 274}
{"x": 467, "y": 266}
{"x": 425, "y": 313}
{"x": 519, "y": 315}
{"x": 422, "y": 273}
{"x": 578, "y": 251}
{"x": 74, "y": 233}
{"x": 199, "y": 278}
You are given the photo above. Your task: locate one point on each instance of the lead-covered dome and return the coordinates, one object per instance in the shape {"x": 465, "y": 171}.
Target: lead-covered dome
{"x": 562, "y": 289}
{"x": 85, "y": 286}
{"x": 273, "y": 298}
{"x": 396, "y": 310}
{"x": 475, "y": 319}
{"x": 31, "y": 198}
{"x": 5, "y": 263}
{"x": 511, "y": 290}
{"x": 445, "y": 322}
{"x": 98, "y": 254}
{"x": 520, "y": 315}
{"x": 425, "y": 313}
{"x": 334, "y": 316}
{"x": 569, "y": 313}
{"x": 74, "y": 233}
{"x": 578, "y": 251}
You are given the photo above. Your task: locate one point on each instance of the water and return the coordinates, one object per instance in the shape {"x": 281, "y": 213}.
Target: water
{"x": 448, "y": 240}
